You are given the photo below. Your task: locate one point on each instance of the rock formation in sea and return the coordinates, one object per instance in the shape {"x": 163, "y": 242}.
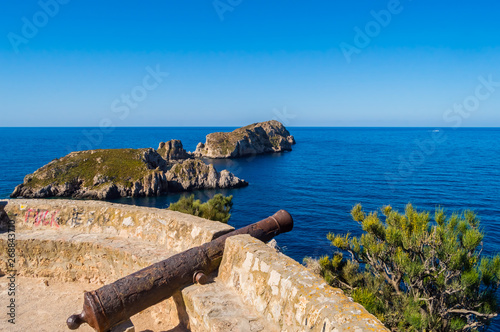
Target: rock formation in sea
{"x": 173, "y": 150}
{"x": 195, "y": 174}
{"x": 113, "y": 173}
{"x": 264, "y": 137}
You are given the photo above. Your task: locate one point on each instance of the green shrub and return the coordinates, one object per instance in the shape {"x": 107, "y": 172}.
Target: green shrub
{"x": 417, "y": 274}
{"x": 217, "y": 208}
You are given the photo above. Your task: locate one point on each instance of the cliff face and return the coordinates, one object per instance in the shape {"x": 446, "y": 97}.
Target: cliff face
{"x": 195, "y": 174}
{"x": 108, "y": 174}
{"x": 264, "y": 137}
{"x": 173, "y": 150}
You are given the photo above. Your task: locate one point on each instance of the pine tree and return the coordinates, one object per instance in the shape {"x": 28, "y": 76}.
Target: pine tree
{"x": 417, "y": 274}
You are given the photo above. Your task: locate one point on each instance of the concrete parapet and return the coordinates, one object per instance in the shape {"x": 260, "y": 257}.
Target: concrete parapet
{"x": 63, "y": 255}
{"x": 217, "y": 308}
{"x": 177, "y": 231}
{"x": 255, "y": 289}
{"x": 286, "y": 293}
{"x": 98, "y": 242}
{"x": 69, "y": 256}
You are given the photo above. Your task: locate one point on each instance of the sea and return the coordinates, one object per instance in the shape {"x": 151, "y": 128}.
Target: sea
{"x": 329, "y": 171}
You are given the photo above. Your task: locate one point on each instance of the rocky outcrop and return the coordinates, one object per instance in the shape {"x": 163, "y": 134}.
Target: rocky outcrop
{"x": 109, "y": 174}
{"x": 195, "y": 174}
{"x": 173, "y": 150}
{"x": 113, "y": 173}
{"x": 101, "y": 174}
{"x": 258, "y": 138}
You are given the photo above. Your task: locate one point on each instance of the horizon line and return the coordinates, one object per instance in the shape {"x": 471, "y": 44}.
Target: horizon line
{"x": 239, "y": 126}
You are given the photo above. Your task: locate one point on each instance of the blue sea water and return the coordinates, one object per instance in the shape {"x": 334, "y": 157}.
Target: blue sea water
{"x": 328, "y": 171}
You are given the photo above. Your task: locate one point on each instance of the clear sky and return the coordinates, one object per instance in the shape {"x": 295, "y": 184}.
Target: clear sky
{"x": 233, "y": 62}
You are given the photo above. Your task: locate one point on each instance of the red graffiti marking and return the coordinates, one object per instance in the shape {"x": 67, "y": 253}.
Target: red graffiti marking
{"x": 53, "y": 221}
{"x": 36, "y": 217}
{"x": 27, "y": 216}
{"x": 43, "y": 217}
{"x": 46, "y": 221}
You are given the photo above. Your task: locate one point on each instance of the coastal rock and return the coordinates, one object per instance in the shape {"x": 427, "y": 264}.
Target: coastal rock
{"x": 154, "y": 160}
{"x": 173, "y": 150}
{"x": 100, "y": 174}
{"x": 113, "y": 173}
{"x": 264, "y": 137}
{"x": 195, "y": 174}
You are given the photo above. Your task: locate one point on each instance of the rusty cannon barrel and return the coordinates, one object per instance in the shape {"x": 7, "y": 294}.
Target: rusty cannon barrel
{"x": 112, "y": 304}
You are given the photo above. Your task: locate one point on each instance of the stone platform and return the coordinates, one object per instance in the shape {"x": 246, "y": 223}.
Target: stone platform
{"x": 66, "y": 247}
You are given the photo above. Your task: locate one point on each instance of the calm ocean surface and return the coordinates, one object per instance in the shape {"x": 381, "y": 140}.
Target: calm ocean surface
{"x": 328, "y": 171}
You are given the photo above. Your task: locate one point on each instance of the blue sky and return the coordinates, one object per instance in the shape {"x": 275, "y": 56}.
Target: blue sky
{"x": 233, "y": 62}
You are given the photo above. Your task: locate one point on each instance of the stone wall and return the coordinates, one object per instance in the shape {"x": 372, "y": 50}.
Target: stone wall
{"x": 98, "y": 242}
{"x": 286, "y": 293}
{"x": 174, "y": 230}
{"x": 67, "y": 256}
{"x": 256, "y": 288}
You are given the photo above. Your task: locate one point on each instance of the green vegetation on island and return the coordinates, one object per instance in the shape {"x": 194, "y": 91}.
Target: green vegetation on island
{"x": 124, "y": 166}
{"x": 113, "y": 173}
{"x": 414, "y": 273}
{"x": 217, "y": 208}
{"x": 101, "y": 174}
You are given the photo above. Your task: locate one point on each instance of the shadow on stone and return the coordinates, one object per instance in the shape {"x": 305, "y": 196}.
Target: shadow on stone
{"x": 178, "y": 328}
{"x": 4, "y": 218}
{"x": 181, "y": 313}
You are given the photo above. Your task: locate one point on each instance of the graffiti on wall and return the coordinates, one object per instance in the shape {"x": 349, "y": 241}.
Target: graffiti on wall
{"x": 76, "y": 218}
{"x": 53, "y": 218}
{"x": 38, "y": 217}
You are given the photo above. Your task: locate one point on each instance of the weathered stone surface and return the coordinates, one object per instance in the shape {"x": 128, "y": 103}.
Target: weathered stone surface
{"x": 173, "y": 230}
{"x": 217, "y": 308}
{"x": 93, "y": 242}
{"x": 256, "y": 289}
{"x": 286, "y": 293}
{"x": 264, "y": 137}
{"x": 43, "y": 305}
{"x": 67, "y": 255}
{"x": 173, "y": 150}
{"x": 64, "y": 255}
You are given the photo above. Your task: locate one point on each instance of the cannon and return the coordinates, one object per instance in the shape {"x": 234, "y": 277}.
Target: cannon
{"x": 114, "y": 303}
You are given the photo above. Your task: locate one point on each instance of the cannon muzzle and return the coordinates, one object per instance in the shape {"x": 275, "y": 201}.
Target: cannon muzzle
{"x": 114, "y": 303}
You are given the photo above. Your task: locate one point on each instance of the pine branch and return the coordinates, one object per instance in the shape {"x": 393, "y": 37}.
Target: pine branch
{"x": 470, "y": 312}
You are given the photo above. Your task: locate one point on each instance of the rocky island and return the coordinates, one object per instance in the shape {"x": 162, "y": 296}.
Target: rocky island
{"x": 113, "y": 173}
{"x": 258, "y": 138}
